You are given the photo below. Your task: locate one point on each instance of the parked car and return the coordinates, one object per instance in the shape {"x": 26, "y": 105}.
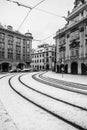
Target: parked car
{"x": 34, "y": 69}
{"x": 26, "y": 70}
{"x": 15, "y": 70}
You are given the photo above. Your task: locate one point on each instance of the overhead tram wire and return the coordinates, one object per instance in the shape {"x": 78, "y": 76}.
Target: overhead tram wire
{"x": 19, "y": 4}
{"x": 29, "y": 13}
{"x": 48, "y": 37}
{"x": 43, "y": 40}
{"x": 50, "y": 13}
{"x": 24, "y": 19}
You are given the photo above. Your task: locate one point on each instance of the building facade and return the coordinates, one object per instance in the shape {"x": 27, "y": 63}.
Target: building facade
{"x": 43, "y": 57}
{"x": 15, "y": 49}
{"x": 71, "y": 41}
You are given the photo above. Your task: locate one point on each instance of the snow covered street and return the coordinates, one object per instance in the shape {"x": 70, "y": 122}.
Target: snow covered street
{"x": 27, "y": 116}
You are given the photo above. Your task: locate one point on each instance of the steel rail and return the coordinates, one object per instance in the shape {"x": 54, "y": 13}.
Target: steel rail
{"x": 72, "y": 84}
{"x": 60, "y": 86}
{"x": 45, "y": 109}
{"x": 38, "y": 91}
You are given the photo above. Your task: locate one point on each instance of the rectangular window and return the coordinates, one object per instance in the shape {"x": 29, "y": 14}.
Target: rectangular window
{"x": 77, "y": 52}
{"x": 2, "y": 36}
{"x": 24, "y": 42}
{"x": 1, "y": 54}
{"x": 18, "y": 41}
{"x": 72, "y": 52}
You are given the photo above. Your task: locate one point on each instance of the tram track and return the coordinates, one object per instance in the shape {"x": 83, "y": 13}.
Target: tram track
{"x": 65, "y": 102}
{"x": 68, "y": 86}
{"x": 67, "y": 83}
{"x": 44, "y": 108}
{"x": 4, "y": 76}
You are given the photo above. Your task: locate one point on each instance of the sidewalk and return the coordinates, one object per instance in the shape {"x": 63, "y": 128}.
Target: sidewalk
{"x": 5, "y": 120}
{"x": 82, "y": 79}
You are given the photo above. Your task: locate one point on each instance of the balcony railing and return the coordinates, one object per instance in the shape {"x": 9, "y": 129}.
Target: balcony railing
{"x": 74, "y": 57}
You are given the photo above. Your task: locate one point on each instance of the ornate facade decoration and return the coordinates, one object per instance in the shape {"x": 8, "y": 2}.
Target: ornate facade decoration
{"x": 74, "y": 34}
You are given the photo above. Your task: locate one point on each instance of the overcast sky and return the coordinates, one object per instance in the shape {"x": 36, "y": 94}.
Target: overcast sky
{"x": 40, "y": 24}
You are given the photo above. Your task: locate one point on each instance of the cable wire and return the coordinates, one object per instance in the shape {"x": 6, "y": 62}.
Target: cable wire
{"x": 29, "y": 13}
{"x": 20, "y": 4}
{"x": 49, "y": 13}
{"x": 24, "y": 20}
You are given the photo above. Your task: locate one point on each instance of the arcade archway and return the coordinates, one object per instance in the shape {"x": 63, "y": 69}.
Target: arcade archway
{"x": 62, "y": 69}
{"x": 66, "y": 68}
{"x": 21, "y": 66}
{"x": 58, "y": 69}
{"x": 47, "y": 67}
{"x": 5, "y": 66}
{"x": 83, "y": 69}
{"x": 74, "y": 68}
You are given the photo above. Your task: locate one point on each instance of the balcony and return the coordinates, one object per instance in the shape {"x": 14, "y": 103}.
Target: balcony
{"x": 62, "y": 48}
{"x": 74, "y": 44}
{"x": 74, "y": 57}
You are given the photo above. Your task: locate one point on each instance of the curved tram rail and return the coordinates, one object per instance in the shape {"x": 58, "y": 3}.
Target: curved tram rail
{"x": 44, "y": 107}
{"x": 69, "y": 86}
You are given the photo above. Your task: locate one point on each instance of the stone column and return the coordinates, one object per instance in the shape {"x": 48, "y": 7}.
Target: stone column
{"x": 21, "y": 49}
{"x": 14, "y": 49}
{"x": 82, "y": 43}
{"x": 69, "y": 67}
{"x": 6, "y": 46}
{"x": 79, "y": 67}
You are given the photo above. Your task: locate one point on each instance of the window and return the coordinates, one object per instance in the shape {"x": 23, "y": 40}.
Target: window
{"x": 10, "y": 46}
{"x": 10, "y": 55}
{"x": 63, "y": 54}
{"x": 2, "y": 36}
{"x": 47, "y": 54}
{"x": 10, "y": 39}
{"x": 24, "y": 42}
{"x": 47, "y": 60}
{"x": 18, "y": 41}
{"x": 18, "y": 56}
{"x": 40, "y": 67}
{"x": 86, "y": 45}
{"x": 72, "y": 52}
{"x": 77, "y": 52}
{"x": 2, "y": 40}
{"x": 1, "y": 54}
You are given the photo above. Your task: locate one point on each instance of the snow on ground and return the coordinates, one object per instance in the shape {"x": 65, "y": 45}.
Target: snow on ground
{"x": 68, "y": 112}
{"x": 82, "y": 79}
{"x": 5, "y": 120}
{"x": 25, "y": 115}
{"x": 74, "y": 98}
